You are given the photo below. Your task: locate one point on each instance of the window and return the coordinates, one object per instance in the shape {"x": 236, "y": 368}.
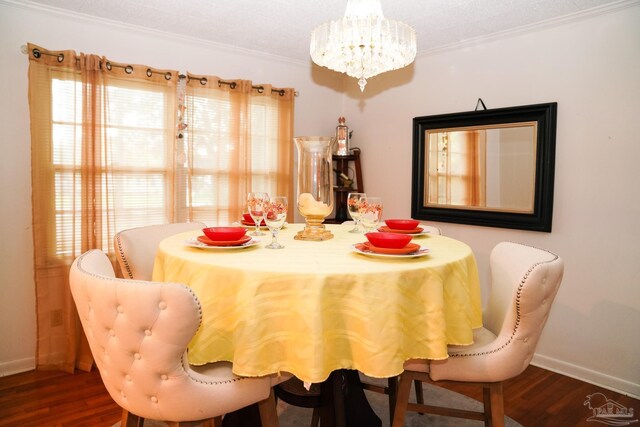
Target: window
{"x": 135, "y": 164}
{"x": 238, "y": 140}
{"x": 149, "y": 177}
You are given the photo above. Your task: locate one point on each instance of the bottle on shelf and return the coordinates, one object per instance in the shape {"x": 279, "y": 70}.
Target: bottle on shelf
{"x": 342, "y": 137}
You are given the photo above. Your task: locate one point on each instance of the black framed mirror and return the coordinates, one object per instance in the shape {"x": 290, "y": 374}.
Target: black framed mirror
{"x": 491, "y": 168}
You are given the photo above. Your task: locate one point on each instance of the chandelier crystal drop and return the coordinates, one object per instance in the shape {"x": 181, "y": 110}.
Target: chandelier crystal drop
{"x": 364, "y": 43}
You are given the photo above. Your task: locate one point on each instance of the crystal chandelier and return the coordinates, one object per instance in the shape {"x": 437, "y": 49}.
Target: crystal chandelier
{"x": 364, "y": 43}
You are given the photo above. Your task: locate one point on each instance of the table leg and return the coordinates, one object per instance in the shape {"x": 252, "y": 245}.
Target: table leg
{"x": 245, "y": 417}
{"x": 357, "y": 409}
{"x": 344, "y": 404}
{"x": 332, "y": 405}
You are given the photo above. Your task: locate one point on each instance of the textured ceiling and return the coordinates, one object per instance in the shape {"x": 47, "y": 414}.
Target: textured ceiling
{"x": 282, "y": 27}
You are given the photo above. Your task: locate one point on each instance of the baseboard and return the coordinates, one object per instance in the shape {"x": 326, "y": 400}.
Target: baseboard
{"x": 587, "y": 375}
{"x": 17, "y": 366}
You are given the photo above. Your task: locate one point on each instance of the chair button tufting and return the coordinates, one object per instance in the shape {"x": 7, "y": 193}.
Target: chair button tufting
{"x": 136, "y": 356}
{"x": 112, "y": 332}
{"x": 164, "y": 377}
{"x": 154, "y": 399}
{"x": 120, "y": 309}
{"x": 544, "y": 280}
{"x": 147, "y": 332}
{"x": 162, "y": 305}
{"x": 128, "y": 377}
{"x": 526, "y": 339}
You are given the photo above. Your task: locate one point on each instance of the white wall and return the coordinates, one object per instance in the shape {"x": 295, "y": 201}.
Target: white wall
{"x": 591, "y": 67}
{"x": 317, "y": 108}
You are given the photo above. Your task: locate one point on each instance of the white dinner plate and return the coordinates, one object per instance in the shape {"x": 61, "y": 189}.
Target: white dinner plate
{"x": 195, "y": 243}
{"x": 420, "y": 252}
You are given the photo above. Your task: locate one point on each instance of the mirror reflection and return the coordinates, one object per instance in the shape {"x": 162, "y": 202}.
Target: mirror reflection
{"x": 488, "y": 167}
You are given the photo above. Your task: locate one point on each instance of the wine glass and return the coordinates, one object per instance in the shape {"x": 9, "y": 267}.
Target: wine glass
{"x": 353, "y": 206}
{"x": 275, "y": 214}
{"x": 370, "y": 212}
{"x": 255, "y": 204}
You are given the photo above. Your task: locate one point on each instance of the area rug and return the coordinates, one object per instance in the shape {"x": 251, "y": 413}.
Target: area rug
{"x": 291, "y": 416}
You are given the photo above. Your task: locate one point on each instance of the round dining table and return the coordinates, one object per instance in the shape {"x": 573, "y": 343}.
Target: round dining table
{"x": 315, "y": 307}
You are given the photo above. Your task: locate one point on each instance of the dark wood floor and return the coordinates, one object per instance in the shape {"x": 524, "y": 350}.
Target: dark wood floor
{"x": 536, "y": 398}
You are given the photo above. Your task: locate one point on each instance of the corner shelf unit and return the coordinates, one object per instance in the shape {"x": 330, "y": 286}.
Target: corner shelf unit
{"x": 342, "y": 165}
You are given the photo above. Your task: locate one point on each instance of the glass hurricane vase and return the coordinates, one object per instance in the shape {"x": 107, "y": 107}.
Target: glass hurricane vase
{"x": 315, "y": 185}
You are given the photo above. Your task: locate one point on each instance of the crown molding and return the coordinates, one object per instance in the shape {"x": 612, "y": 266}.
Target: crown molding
{"x": 524, "y": 29}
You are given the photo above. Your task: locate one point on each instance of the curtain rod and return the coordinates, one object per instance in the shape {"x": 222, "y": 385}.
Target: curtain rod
{"x": 129, "y": 69}
{"x": 232, "y": 85}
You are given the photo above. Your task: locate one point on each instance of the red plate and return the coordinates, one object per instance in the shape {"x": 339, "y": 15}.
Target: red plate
{"x": 366, "y": 246}
{"x": 395, "y": 230}
{"x": 208, "y": 241}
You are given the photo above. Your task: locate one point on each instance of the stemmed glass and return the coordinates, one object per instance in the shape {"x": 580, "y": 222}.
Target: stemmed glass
{"x": 353, "y": 206}
{"x": 370, "y": 212}
{"x": 256, "y": 202}
{"x": 275, "y": 214}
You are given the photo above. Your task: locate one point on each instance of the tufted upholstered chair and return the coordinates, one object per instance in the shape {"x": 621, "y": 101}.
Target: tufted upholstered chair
{"x": 391, "y": 387}
{"x": 136, "y": 247}
{"x": 138, "y": 332}
{"x": 525, "y": 281}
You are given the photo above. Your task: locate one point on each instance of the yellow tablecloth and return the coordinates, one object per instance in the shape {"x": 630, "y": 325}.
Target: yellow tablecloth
{"x": 315, "y": 307}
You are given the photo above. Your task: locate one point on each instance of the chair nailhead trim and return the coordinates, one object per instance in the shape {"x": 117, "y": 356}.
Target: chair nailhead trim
{"x": 518, "y": 295}
{"x": 124, "y": 259}
{"x": 232, "y": 380}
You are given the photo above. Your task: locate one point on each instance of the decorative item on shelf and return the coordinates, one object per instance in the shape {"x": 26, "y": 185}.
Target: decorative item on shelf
{"x": 342, "y": 137}
{"x": 348, "y": 179}
{"x": 363, "y": 43}
{"x": 345, "y": 181}
{"x": 315, "y": 185}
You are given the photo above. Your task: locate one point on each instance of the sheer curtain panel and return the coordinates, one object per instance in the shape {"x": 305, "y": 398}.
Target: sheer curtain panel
{"x": 102, "y": 137}
{"x": 238, "y": 138}
{"x": 118, "y": 146}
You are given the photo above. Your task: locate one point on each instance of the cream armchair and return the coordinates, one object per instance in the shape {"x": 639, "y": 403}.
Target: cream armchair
{"x": 138, "y": 332}
{"x": 136, "y": 247}
{"x": 525, "y": 281}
